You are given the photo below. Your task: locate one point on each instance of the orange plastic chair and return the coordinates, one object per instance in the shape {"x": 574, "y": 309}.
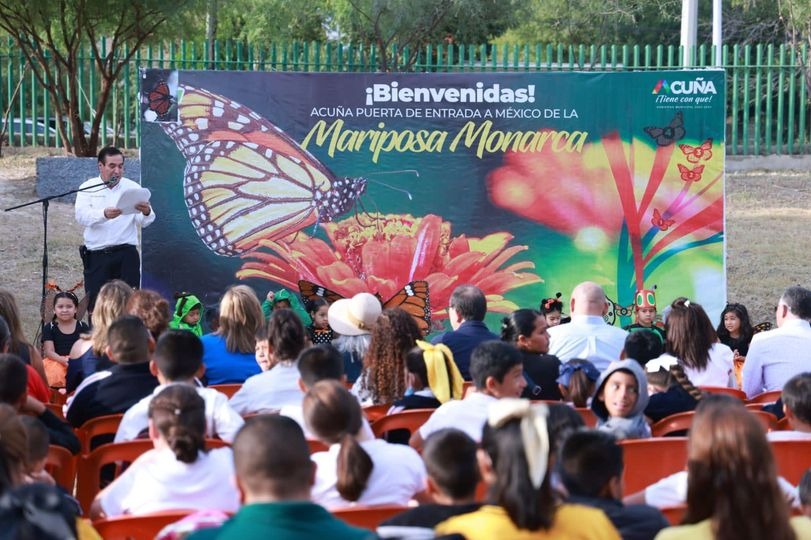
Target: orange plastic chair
{"x": 368, "y": 517}
{"x": 137, "y": 527}
{"x": 316, "y": 446}
{"x": 783, "y": 425}
{"x": 588, "y": 416}
{"x": 734, "y": 392}
{"x": 227, "y": 389}
{"x": 649, "y": 460}
{"x": 57, "y": 397}
{"x": 61, "y": 465}
{"x": 410, "y": 420}
{"x": 674, "y": 514}
{"x": 119, "y": 454}
{"x": 373, "y": 412}
{"x": 766, "y": 397}
{"x": 673, "y": 424}
{"x": 102, "y": 425}
{"x": 793, "y": 458}
{"x": 767, "y": 419}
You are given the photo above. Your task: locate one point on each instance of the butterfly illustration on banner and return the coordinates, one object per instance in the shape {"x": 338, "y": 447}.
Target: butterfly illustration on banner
{"x": 672, "y": 132}
{"x": 413, "y": 299}
{"x": 159, "y": 95}
{"x": 694, "y": 154}
{"x": 246, "y": 180}
{"x": 659, "y": 221}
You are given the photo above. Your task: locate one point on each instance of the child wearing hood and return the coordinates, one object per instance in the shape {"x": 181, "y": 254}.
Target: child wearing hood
{"x": 188, "y": 314}
{"x": 620, "y": 399}
{"x": 285, "y": 299}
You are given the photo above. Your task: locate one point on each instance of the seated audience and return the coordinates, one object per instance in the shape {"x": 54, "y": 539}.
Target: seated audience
{"x": 152, "y": 308}
{"x": 35, "y": 386}
{"x": 274, "y": 474}
{"x": 732, "y": 491}
{"x": 59, "y": 335}
{"x": 357, "y": 468}
{"x": 514, "y": 461}
{"x": 576, "y": 382}
{"x": 383, "y": 379}
{"x": 228, "y": 353}
{"x": 466, "y": 311}
{"x": 178, "y": 473}
{"x": 590, "y": 464}
{"x": 526, "y": 329}
{"x": 188, "y": 314}
{"x": 735, "y": 331}
{"x": 17, "y": 344}
{"x": 453, "y": 473}
{"x": 278, "y": 386}
{"x": 670, "y": 390}
{"x": 432, "y": 378}
{"x": 13, "y": 391}
{"x": 38, "y": 442}
{"x": 620, "y": 399}
{"x": 797, "y": 408}
{"x": 498, "y": 371}
{"x": 123, "y": 385}
{"x": 88, "y": 354}
{"x": 178, "y": 358}
{"x": 691, "y": 339}
{"x": 642, "y": 346}
{"x": 645, "y": 315}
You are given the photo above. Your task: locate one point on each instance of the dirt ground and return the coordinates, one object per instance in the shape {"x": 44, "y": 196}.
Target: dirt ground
{"x": 768, "y": 242}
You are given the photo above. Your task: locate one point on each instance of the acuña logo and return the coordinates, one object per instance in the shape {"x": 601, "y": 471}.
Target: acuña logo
{"x": 697, "y": 86}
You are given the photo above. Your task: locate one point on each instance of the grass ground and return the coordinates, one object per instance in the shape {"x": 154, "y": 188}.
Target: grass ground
{"x": 768, "y": 245}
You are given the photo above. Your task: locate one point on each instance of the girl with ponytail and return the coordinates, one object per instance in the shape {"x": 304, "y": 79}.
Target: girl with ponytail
{"x": 670, "y": 389}
{"x": 178, "y": 472}
{"x": 356, "y": 468}
{"x": 514, "y": 463}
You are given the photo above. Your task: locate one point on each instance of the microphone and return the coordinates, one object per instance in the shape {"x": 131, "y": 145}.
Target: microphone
{"x": 113, "y": 180}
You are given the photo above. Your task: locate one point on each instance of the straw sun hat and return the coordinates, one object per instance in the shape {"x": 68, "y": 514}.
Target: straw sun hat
{"x": 354, "y": 316}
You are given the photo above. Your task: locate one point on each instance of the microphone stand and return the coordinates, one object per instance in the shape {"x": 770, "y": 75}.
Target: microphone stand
{"x": 46, "y": 201}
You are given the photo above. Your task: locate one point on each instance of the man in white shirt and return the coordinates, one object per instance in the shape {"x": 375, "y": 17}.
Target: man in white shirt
{"x": 587, "y": 336}
{"x": 777, "y": 355}
{"x": 110, "y": 248}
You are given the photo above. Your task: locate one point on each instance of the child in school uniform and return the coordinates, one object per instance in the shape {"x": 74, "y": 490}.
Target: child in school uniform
{"x": 188, "y": 314}
{"x": 179, "y": 473}
{"x": 357, "y": 468}
{"x": 278, "y": 386}
{"x": 497, "y": 369}
{"x": 178, "y": 359}
{"x": 620, "y": 399}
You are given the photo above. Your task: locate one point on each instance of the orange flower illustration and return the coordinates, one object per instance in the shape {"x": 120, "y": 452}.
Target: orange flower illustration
{"x": 380, "y": 253}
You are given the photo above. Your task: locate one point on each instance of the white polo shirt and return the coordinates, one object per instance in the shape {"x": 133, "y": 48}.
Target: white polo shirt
{"x": 269, "y": 391}
{"x": 468, "y": 415}
{"x": 99, "y": 231}
{"x": 587, "y": 337}
{"x": 157, "y": 481}
{"x": 221, "y": 420}
{"x": 398, "y": 474}
{"x": 672, "y": 491}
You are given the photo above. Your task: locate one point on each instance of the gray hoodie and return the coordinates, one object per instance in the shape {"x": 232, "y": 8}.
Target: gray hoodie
{"x": 634, "y": 425}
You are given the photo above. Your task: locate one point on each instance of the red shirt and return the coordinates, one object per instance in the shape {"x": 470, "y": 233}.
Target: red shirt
{"x": 36, "y": 387}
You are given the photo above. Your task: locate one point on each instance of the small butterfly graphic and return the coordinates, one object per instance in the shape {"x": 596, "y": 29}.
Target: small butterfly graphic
{"x": 697, "y": 153}
{"x": 690, "y": 175}
{"x": 615, "y": 310}
{"x": 669, "y": 134}
{"x": 659, "y": 221}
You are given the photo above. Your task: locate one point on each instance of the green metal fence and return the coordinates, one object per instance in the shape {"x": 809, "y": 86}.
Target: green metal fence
{"x": 767, "y": 94}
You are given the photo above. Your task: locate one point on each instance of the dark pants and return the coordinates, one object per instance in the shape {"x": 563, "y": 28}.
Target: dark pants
{"x": 115, "y": 262}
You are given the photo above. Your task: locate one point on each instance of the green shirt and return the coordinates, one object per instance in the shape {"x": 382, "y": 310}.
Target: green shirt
{"x": 297, "y": 520}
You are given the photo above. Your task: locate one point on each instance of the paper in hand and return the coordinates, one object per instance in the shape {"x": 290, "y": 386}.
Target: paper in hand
{"x": 129, "y": 198}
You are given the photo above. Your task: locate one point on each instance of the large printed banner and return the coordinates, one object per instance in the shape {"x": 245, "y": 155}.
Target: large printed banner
{"x": 523, "y": 184}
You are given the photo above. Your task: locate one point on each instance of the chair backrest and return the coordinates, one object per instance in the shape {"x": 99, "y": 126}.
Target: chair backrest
{"x": 227, "y": 389}
{"x": 374, "y": 412}
{"x": 649, "y": 460}
{"x": 102, "y": 425}
{"x": 673, "y": 424}
{"x": 674, "y": 514}
{"x": 766, "y": 397}
{"x": 368, "y": 517}
{"x": 734, "y": 392}
{"x": 793, "y": 458}
{"x": 410, "y": 420}
{"x": 767, "y": 419}
{"x": 137, "y": 527}
{"x": 61, "y": 465}
{"x": 316, "y": 446}
{"x": 120, "y": 455}
{"x": 588, "y": 416}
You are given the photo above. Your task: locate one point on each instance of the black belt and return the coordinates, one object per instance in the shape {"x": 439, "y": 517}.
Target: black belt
{"x": 112, "y": 249}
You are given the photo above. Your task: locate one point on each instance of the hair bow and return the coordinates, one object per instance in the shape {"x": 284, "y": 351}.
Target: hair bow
{"x": 568, "y": 369}
{"x": 444, "y": 378}
{"x": 534, "y": 434}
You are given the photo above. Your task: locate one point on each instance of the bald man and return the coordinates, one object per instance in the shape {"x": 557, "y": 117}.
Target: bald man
{"x": 587, "y": 336}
